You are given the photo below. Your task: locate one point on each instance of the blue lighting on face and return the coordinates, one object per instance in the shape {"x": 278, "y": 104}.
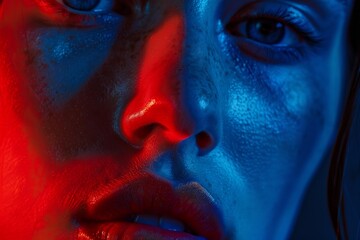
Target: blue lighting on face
{"x": 82, "y": 5}
{"x": 241, "y": 98}
{"x": 69, "y": 58}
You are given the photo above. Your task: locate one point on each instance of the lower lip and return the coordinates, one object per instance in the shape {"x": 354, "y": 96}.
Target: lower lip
{"x": 128, "y": 231}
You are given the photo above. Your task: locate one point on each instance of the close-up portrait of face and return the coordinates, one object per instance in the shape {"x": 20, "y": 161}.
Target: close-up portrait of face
{"x": 179, "y": 119}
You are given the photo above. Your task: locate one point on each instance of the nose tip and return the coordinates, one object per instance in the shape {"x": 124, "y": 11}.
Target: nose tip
{"x": 157, "y": 110}
{"x": 156, "y": 116}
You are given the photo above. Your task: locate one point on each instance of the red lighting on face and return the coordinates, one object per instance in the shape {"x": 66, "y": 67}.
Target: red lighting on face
{"x": 41, "y": 189}
{"x": 155, "y": 108}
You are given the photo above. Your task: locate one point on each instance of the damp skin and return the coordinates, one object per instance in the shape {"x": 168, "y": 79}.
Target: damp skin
{"x": 184, "y": 90}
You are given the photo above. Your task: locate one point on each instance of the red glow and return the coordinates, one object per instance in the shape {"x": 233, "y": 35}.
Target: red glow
{"x": 156, "y": 103}
{"x": 33, "y": 184}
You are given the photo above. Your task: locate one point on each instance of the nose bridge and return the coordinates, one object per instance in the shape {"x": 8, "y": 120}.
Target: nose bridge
{"x": 156, "y": 101}
{"x": 163, "y": 53}
{"x": 175, "y": 92}
{"x": 200, "y": 74}
{"x": 200, "y": 90}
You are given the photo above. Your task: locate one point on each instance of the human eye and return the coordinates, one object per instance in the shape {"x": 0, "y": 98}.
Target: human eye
{"x": 82, "y": 13}
{"x": 88, "y": 6}
{"x": 271, "y": 32}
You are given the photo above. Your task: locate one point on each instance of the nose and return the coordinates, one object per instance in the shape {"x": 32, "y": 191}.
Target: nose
{"x": 158, "y": 106}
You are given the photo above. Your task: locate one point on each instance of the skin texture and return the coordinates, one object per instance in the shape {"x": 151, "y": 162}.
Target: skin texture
{"x": 168, "y": 89}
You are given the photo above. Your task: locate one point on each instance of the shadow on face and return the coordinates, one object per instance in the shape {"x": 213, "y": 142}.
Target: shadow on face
{"x": 165, "y": 119}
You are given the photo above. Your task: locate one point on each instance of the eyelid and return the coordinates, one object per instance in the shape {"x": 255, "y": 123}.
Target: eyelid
{"x": 287, "y": 14}
{"x": 249, "y": 9}
{"x": 104, "y": 6}
{"x": 289, "y": 36}
{"x": 298, "y": 21}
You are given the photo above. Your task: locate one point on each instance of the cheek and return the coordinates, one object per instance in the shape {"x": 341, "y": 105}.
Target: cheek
{"x": 272, "y": 125}
{"x": 271, "y": 109}
{"x": 23, "y": 178}
{"x": 272, "y": 119}
{"x": 64, "y": 60}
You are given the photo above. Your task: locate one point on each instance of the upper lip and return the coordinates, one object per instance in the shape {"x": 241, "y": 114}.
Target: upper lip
{"x": 147, "y": 194}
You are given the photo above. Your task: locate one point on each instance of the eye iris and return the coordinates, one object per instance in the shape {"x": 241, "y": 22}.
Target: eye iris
{"x": 265, "y": 30}
{"x": 82, "y": 5}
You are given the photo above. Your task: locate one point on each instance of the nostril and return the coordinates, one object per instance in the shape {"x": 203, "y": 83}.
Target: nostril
{"x": 142, "y": 133}
{"x": 203, "y": 140}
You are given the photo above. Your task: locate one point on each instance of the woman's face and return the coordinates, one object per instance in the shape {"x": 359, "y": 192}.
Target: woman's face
{"x": 165, "y": 119}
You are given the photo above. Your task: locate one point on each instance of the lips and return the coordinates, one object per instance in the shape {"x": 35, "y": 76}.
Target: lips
{"x": 150, "y": 208}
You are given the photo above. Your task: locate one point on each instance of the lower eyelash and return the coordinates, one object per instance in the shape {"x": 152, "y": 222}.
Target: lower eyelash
{"x": 271, "y": 54}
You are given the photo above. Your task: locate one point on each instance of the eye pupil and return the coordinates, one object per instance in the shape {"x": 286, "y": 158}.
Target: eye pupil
{"x": 82, "y": 5}
{"x": 267, "y": 31}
